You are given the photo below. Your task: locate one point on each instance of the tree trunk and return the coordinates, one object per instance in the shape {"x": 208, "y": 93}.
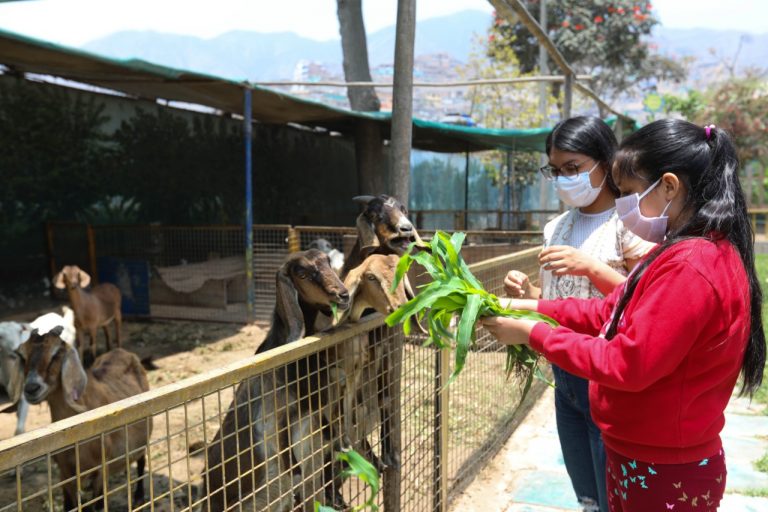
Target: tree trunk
{"x": 369, "y": 157}
{"x": 402, "y": 101}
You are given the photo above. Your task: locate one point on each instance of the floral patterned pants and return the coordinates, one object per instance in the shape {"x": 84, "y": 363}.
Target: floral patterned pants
{"x": 636, "y": 486}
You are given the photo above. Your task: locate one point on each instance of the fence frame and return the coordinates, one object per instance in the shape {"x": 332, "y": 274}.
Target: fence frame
{"x": 16, "y": 451}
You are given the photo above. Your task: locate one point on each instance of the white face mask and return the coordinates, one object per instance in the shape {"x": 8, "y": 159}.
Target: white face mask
{"x": 652, "y": 229}
{"x": 578, "y": 190}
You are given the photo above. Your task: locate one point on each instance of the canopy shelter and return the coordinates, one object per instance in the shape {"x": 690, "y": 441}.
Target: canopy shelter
{"x": 142, "y": 79}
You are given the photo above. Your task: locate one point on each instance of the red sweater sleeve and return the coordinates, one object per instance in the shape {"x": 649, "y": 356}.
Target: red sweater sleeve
{"x": 664, "y": 318}
{"x": 582, "y": 315}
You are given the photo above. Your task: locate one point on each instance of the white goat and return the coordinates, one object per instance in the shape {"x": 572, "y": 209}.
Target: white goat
{"x": 336, "y": 256}
{"x": 12, "y": 335}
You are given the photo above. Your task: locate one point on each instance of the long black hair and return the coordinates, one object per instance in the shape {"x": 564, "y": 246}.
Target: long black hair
{"x": 587, "y": 135}
{"x": 705, "y": 160}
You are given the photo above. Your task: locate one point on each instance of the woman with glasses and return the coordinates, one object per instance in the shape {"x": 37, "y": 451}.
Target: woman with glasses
{"x": 587, "y": 253}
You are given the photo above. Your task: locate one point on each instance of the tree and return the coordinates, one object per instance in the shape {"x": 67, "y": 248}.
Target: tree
{"x": 597, "y": 37}
{"x": 737, "y": 105}
{"x": 368, "y": 141}
{"x": 504, "y": 106}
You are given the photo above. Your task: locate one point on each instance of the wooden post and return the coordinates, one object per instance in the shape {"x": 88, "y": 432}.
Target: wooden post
{"x": 51, "y": 258}
{"x": 441, "y": 446}
{"x": 392, "y": 476}
{"x": 294, "y": 244}
{"x": 402, "y": 102}
{"x": 92, "y": 254}
{"x": 567, "y": 95}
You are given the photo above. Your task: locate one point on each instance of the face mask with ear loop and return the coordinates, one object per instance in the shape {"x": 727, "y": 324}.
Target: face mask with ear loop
{"x": 578, "y": 191}
{"x": 652, "y": 229}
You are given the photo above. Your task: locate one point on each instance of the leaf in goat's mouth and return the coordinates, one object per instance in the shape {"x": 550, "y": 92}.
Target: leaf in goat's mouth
{"x": 456, "y": 292}
{"x": 334, "y": 311}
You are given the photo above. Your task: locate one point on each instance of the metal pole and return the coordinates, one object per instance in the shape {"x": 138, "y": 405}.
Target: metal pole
{"x": 466, "y": 190}
{"x": 402, "y": 101}
{"x": 248, "y": 133}
{"x": 544, "y": 185}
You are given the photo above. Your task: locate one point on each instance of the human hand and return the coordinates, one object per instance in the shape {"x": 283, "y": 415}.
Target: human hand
{"x": 517, "y": 284}
{"x": 564, "y": 259}
{"x": 509, "y": 331}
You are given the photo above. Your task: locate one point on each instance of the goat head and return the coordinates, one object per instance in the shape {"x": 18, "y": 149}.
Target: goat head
{"x": 384, "y": 226}
{"x": 71, "y": 276}
{"x": 50, "y": 362}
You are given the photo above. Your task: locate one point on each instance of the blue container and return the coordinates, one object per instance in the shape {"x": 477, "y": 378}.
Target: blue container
{"x": 132, "y": 278}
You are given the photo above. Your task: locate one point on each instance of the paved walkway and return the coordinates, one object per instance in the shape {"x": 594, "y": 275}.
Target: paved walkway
{"x": 528, "y": 474}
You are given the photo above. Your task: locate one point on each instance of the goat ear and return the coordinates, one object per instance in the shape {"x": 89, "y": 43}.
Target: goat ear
{"x": 366, "y": 235}
{"x": 363, "y": 199}
{"x": 85, "y": 279}
{"x": 287, "y": 305}
{"x": 58, "y": 281}
{"x": 16, "y": 381}
{"x": 73, "y": 378}
{"x": 352, "y": 284}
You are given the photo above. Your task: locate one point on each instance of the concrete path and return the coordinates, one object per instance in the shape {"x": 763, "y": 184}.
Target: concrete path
{"x": 528, "y": 474}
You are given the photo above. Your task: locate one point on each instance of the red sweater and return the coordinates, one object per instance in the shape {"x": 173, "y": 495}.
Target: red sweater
{"x": 659, "y": 387}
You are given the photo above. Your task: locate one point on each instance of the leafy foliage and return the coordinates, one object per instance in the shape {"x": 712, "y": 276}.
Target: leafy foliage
{"x": 359, "y": 467}
{"x": 598, "y": 37}
{"x": 454, "y": 291}
{"x": 738, "y": 105}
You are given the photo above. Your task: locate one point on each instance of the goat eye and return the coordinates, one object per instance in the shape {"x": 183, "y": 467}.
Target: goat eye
{"x": 370, "y": 277}
{"x": 301, "y": 275}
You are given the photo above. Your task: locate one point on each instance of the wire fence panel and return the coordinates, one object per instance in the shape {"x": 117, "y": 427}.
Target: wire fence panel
{"x": 199, "y": 272}
{"x": 263, "y": 433}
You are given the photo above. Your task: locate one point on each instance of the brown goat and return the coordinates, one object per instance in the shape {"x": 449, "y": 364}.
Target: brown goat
{"x": 275, "y": 430}
{"x": 93, "y": 309}
{"x": 370, "y": 287}
{"x": 53, "y": 373}
{"x": 382, "y": 228}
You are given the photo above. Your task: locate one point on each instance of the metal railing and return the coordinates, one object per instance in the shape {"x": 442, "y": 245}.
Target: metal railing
{"x": 199, "y": 272}
{"x": 278, "y": 436}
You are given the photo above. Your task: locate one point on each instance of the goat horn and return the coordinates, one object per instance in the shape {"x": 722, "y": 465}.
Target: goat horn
{"x": 363, "y": 199}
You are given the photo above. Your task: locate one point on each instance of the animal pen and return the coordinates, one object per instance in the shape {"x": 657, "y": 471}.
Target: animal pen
{"x": 200, "y": 272}
{"x": 442, "y": 435}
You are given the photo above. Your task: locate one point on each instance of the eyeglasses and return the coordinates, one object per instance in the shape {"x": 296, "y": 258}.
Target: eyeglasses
{"x": 569, "y": 171}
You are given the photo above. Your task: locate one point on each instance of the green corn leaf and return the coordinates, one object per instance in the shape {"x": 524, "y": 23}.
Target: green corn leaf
{"x": 455, "y": 291}
{"x": 363, "y": 470}
{"x": 403, "y": 264}
{"x": 465, "y": 335}
{"x": 334, "y": 309}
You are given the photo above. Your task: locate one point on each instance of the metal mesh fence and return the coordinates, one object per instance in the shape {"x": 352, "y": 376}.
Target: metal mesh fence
{"x": 199, "y": 272}
{"x": 262, "y": 433}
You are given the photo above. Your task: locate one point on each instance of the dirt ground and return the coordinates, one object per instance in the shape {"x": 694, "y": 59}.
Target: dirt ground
{"x": 179, "y": 350}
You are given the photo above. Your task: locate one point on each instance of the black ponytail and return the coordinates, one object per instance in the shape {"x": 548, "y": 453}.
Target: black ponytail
{"x": 705, "y": 160}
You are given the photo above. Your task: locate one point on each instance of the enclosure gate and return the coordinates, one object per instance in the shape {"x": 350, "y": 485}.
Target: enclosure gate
{"x": 442, "y": 435}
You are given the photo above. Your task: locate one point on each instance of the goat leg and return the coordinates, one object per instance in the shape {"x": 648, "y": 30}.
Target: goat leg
{"x": 105, "y": 327}
{"x": 138, "y": 493}
{"x": 118, "y": 324}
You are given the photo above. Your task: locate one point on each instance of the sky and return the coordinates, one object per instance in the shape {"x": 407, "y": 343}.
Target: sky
{"x": 75, "y": 22}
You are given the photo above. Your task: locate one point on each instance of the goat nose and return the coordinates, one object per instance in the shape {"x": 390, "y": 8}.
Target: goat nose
{"x": 344, "y": 296}
{"x": 31, "y": 388}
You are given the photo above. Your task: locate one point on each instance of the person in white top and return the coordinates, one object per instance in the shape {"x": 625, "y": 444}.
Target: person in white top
{"x": 587, "y": 253}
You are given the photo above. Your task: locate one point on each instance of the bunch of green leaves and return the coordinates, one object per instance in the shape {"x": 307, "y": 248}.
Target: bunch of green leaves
{"x": 359, "y": 467}
{"x": 454, "y": 291}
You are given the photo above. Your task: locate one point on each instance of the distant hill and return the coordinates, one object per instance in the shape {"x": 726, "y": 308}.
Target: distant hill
{"x": 273, "y": 56}
{"x": 698, "y": 43}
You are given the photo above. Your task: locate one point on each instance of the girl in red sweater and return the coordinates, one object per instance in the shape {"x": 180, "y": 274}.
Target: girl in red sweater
{"x": 664, "y": 350}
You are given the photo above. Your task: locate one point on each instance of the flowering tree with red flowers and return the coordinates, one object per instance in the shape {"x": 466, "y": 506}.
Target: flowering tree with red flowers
{"x": 606, "y": 39}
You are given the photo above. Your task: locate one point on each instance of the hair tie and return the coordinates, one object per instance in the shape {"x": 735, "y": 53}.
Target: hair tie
{"x": 708, "y": 131}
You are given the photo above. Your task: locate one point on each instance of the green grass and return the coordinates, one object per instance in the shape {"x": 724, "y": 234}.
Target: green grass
{"x": 761, "y": 263}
